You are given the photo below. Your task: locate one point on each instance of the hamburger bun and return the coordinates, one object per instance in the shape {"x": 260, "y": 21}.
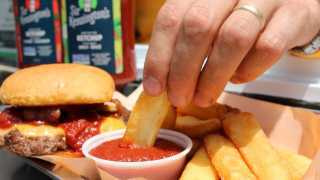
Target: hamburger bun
{"x": 57, "y": 84}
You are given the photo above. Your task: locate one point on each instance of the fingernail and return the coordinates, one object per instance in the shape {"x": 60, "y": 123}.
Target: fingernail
{"x": 152, "y": 86}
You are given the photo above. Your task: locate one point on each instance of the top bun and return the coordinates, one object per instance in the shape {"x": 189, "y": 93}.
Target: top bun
{"x": 57, "y": 84}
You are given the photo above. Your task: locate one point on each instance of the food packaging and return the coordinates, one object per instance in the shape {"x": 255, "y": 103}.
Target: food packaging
{"x": 100, "y": 33}
{"x": 38, "y": 32}
{"x": 8, "y": 53}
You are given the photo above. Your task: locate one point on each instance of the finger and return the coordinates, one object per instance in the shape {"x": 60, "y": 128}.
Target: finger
{"x": 273, "y": 42}
{"x": 161, "y": 45}
{"x": 236, "y": 37}
{"x": 199, "y": 25}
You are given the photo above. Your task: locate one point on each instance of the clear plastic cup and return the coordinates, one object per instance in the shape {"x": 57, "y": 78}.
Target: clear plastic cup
{"x": 167, "y": 168}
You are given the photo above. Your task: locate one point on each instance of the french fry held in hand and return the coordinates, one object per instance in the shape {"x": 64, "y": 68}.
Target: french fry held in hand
{"x": 226, "y": 159}
{"x": 199, "y": 168}
{"x": 297, "y": 164}
{"x": 146, "y": 118}
{"x": 195, "y": 127}
{"x": 216, "y": 111}
{"x": 245, "y": 132}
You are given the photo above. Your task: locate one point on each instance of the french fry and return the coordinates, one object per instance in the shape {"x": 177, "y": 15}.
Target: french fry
{"x": 245, "y": 132}
{"x": 195, "y": 127}
{"x": 199, "y": 168}
{"x": 146, "y": 118}
{"x": 226, "y": 159}
{"x": 216, "y": 111}
{"x": 297, "y": 164}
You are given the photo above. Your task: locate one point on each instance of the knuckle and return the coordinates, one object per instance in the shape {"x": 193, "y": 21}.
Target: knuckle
{"x": 299, "y": 8}
{"x": 273, "y": 45}
{"x": 151, "y": 64}
{"x": 197, "y": 22}
{"x": 236, "y": 35}
{"x": 167, "y": 18}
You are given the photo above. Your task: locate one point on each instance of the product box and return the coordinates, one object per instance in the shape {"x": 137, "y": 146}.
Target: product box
{"x": 38, "y": 32}
{"x": 100, "y": 33}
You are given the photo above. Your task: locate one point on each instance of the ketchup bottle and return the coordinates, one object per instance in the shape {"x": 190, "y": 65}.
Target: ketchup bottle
{"x": 100, "y": 33}
{"x": 128, "y": 38}
{"x": 38, "y": 32}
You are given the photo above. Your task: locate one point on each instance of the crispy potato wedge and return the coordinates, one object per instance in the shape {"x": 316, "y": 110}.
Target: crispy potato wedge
{"x": 226, "y": 159}
{"x": 111, "y": 124}
{"x": 297, "y": 164}
{"x": 199, "y": 168}
{"x": 216, "y": 111}
{"x": 245, "y": 132}
{"x": 195, "y": 127}
{"x": 146, "y": 118}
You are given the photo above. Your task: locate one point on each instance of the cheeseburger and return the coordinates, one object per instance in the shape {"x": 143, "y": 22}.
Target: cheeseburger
{"x": 56, "y": 108}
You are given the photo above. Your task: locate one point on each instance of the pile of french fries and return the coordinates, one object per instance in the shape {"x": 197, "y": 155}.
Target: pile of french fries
{"x": 228, "y": 144}
{"x": 232, "y": 146}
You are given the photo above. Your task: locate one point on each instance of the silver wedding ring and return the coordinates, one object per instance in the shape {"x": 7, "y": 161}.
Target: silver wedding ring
{"x": 253, "y": 10}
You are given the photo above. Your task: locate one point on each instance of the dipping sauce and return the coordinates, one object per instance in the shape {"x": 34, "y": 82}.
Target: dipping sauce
{"x": 119, "y": 150}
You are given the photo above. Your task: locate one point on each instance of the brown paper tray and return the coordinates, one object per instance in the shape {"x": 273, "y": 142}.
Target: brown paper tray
{"x": 288, "y": 128}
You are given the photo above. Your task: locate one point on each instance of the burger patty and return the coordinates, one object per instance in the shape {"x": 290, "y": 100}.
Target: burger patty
{"x": 32, "y": 131}
{"x": 30, "y": 146}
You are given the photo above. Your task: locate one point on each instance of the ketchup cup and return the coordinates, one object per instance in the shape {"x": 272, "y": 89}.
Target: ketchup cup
{"x": 167, "y": 168}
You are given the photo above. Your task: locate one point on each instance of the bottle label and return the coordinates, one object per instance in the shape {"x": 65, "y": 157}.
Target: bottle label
{"x": 37, "y": 21}
{"x": 8, "y": 50}
{"x": 94, "y": 33}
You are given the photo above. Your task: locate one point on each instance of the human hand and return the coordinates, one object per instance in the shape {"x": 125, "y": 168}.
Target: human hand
{"x": 239, "y": 45}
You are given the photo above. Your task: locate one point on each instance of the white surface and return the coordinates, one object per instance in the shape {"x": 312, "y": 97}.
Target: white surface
{"x": 291, "y": 77}
{"x": 141, "y": 51}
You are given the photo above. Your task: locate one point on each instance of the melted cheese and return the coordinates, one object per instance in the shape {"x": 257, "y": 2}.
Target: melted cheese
{"x": 111, "y": 123}
{"x": 39, "y": 130}
{"x": 3, "y": 132}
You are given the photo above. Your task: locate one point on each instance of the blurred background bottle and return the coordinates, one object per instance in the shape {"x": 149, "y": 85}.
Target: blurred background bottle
{"x": 146, "y": 12}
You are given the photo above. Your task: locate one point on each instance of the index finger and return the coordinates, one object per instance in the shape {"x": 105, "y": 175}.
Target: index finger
{"x": 162, "y": 45}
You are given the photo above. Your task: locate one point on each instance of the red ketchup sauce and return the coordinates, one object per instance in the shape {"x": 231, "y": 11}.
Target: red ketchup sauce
{"x": 7, "y": 119}
{"x": 119, "y": 150}
{"x": 77, "y": 130}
